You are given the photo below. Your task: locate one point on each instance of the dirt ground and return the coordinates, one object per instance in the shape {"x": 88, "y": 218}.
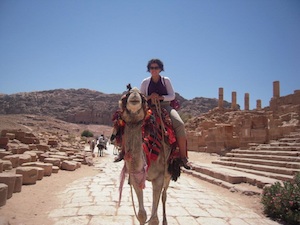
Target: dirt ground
{"x": 34, "y": 202}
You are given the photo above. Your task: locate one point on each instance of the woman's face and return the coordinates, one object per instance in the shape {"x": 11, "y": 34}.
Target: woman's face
{"x": 154, "y": 69}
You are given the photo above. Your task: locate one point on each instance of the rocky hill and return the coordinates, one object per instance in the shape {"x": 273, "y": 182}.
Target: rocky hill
{"x": 85, "y": 106}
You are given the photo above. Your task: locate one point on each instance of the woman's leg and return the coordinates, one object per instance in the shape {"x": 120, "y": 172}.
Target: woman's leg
{"x": 179, "y": 129}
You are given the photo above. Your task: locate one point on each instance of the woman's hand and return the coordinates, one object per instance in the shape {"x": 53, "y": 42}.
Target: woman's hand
{"x": 154, "y": 96}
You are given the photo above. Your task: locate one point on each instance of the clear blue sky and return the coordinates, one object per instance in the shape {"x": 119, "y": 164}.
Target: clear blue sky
{"x": 240, "y": 45}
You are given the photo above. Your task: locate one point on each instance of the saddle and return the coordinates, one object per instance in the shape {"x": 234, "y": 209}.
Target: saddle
{"x": 153, "y": 132}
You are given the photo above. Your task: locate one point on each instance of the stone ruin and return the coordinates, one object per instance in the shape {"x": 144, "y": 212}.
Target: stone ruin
{"x": 26, "y": 158}
{"x": 220, "y": 129}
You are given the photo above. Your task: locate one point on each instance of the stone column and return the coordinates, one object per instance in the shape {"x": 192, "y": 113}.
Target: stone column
{"x": 233, "y": 100}
{"x": 276, "y": 89}
{"x": 221, "y": 98}
{"x": 258, "y": 104}
{"x": 246, "y": 101}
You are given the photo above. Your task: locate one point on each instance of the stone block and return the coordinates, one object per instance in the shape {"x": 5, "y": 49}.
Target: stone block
{"x": 55, "y": 169}
{"x": 14, "y": 159}
{"x": 18, "y": 183}
{"x": 53, "y": 161}
{"x": 3, "y": 194}
{"x": 4, "y": 153}
{"x": 46, "y": 166}
{"x": 4, "y": 141}
{"x": 42, "y": 147}
{"x": 10, "y": 136}
{"x": 7, "y": 165}
{"x": 52, "y": 142}
{"x": 9, "y": 179}
{"x": 43, "y": 156}
{"x": 41, "y": 173}
{"x": 32, "y": 154}
{"x": 28, "y": 140}
{"x": 68, "y": 165}
{"x": 30, "y": 174}
{"x": 24, "y": 158}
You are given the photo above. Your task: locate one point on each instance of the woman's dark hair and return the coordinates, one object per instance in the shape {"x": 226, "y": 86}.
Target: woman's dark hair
{"x": 158, "y": 62}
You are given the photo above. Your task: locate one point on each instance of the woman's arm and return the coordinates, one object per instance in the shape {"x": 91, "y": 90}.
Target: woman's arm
{"x": 171, "y": 93}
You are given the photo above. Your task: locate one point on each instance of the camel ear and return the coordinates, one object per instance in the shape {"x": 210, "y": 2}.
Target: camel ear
{"x": 122, "y": 102}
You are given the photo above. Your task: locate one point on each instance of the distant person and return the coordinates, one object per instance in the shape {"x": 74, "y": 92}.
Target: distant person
{"x": 92, "y": 145}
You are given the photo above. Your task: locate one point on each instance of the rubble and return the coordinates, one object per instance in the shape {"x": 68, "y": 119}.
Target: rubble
{"x": 26, "y": 158}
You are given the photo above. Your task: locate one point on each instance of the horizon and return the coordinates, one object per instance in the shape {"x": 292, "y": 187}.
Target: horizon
{"x": 241, "y": 46}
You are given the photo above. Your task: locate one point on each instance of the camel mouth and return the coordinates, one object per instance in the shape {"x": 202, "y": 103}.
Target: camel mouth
{"x": 135, "y": 101}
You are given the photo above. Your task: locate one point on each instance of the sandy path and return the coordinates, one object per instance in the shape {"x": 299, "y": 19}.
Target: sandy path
{"x": 34, "y": 202}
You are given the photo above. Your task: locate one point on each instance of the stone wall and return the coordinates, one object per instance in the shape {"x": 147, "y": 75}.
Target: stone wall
{"x": 221, "y": 130}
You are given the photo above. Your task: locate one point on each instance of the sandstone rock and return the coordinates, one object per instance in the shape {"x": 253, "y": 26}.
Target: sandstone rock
{"x": 69, "y": 165}
{"x": 8, "y": 179}
{"x": 30, "y": 174}
{"x": 14, "y": 159}
{"x": 89, "y": 160}
{"x": 60, "y": 157}
{"x": 3, "y": 142}
{"x": 43, "y": 156}
{"x": 32, "y": 147}
{"x": 46, "y": 166}
{"x": 23, "y": 149}
{"x": 53, "y": 161}
{"x": 32, "y": 154}
{"x": 52, "y": 142}
{"x": 18, "y": 183}
{"x": 43, "y": 147}
{"x": 24, "y": 158}
{"x": 10, "y": 136}
{"x": 4, "y": 153}
{"x": 7, "y": 165}
{"x": 38, "y": 153}
{"x": 3, "y": 193}
{"x": 55, "y": 169}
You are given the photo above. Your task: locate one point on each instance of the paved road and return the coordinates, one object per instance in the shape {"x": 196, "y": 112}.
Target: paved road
{"x": 93, "y": 201}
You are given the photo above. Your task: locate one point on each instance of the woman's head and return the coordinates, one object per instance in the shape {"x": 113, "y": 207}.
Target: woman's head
{"x": 154, "y": 63}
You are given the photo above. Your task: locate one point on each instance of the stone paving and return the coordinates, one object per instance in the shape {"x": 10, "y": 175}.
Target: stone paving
{"x": 93, "y": 201}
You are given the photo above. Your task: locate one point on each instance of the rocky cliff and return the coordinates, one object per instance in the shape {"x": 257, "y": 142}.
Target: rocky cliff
{"x": 85, "y": 106}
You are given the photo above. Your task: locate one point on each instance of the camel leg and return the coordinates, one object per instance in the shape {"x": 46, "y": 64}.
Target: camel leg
{"x": 157, "y": 186}
{"x": 164, "y": 199}
{"x": 142, "y": 216}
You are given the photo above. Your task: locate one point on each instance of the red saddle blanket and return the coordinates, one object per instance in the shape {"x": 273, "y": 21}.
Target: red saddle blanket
{"x": 153, "y": 131}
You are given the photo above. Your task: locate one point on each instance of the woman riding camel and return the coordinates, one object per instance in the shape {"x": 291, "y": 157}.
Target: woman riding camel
{"x": 160, "y": 88}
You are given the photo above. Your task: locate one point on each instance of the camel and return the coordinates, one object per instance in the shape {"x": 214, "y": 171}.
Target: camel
{"x": 133, "y": 113}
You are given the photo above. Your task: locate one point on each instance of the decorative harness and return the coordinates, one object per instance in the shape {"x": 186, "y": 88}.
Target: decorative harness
{"x": 156, "y": 127}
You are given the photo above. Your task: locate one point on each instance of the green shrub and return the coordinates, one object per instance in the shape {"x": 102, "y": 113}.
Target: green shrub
{"x": 87, "y": 133}
{"x": 283, "y": 202}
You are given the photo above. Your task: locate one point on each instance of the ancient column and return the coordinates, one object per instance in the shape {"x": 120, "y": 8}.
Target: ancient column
{"x": 276, "y": 89}
{"x": 220, "y": 98}
{"x": 233, "y": 100}
{"x": 246, "y": 101}
{"x": 258, "y": 104}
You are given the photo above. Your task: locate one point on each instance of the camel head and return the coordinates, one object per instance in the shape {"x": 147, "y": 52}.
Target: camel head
{"x": 133, "y": 106}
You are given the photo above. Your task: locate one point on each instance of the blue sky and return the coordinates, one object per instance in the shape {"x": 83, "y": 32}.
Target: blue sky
{"x": 240, "y": 45}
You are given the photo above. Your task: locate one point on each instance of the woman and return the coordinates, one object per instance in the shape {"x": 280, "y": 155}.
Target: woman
{"x": 160, "y": 88}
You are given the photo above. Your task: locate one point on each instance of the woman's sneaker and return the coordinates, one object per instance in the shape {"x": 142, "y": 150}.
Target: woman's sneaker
{"x": 185, "y": 163}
